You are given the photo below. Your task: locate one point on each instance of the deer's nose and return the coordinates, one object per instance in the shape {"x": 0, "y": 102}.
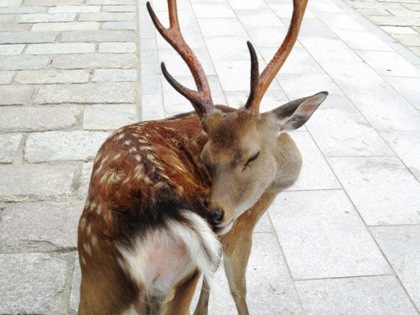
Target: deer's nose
{"x": 217, "y": 215}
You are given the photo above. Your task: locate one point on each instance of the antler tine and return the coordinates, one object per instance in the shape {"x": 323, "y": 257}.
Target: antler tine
{"x": 269, "y": 73}
{"x": 201, "y": 99}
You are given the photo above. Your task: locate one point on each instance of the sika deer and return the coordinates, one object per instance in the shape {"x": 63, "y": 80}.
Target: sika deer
{"x": 159, "y": 189}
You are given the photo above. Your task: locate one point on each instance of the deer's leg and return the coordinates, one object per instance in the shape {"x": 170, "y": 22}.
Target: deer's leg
{"x": 237, "y": 249}
{"x": 180, "y": 298}
{"x": 203, "y": 300}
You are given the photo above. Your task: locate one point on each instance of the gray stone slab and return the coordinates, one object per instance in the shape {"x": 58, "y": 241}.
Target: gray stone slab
{"x": 98, "y": 36}
{"x": 355, "y": 296}
{"x": 345, "y": 132}
{"x": 52, "y": 76}
{"x": 29, "y": 118}
{"x": 297, "y": 85}
{"x": 315, "y": 174}
{"x": 108, "y": 117}
{"x": 39, "y": 226}
{"x": 23, "y": 62}
{"x": 63, "y": 146}
{"x": 42, "y": 18}
{"x": 107, "y": 16}
{"x": 11, "y": 49}
{"x": 117, "y": 47}
{"x": 407, "y": 87}
{"x": 120, "y": 25}
{"x": 31, "y": 283}
{"x": 27, "y": 37}
{"x": 360, "y": 39}
{"x": 89, "y": 61}
{"x": 322, "y": 236}
{"x": 84, "y": 181}
{"x": 67, "y": 26}
{"x": 389, "y": 63}
{"x": 9, "y": 144}
{"x": 36, "y": 182}
{"x": 60, "y": 48}
{"x": 114, "y": 75}
{"x": 381, "y": 188}
{"x": 151, "y": 107}
{"x": 91, "y": 93}
{"x": 406, "y": 145}
{"x": 6, "y": 77}
{"x": 75, "y": 286}
{"x": 270, "y": 290}
{"x": 16, "y": 94}
{"x": 400, "y": 244}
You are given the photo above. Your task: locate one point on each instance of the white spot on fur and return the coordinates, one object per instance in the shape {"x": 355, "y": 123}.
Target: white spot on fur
{"x": 87, "y": 248}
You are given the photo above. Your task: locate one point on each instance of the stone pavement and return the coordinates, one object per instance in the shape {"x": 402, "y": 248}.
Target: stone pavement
{"x": 343, "y": 240}
{"x": 399, "y": 18}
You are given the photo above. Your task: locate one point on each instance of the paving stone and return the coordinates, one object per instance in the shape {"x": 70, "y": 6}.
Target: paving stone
{"x": 27, "y": 37}
{"x": 89, "y": 61}
{"x": 360, "y": 39}
{"x": 270, "y": 290}
{"x": 84, "y": 181}
{"x": 119, "y": 8}
{"x": 39, "y": 226}
{"x": 10, "y": 3}
{"x": 70, "y": 26}
{"x": 395, "y": 20}
{"x": 407, "y": 146}
{"x": 381, "y": 188}
{"x": 117, "y": 47}
{"x": 92, "y": 93}
{"x": 236, "y": 51}
{"x": 389, "y": 64}
{"x": 407, "y": 87}
{"x": 60, "y": 48}
{"x": 21, "y": 9}
{"x": 398, "y": 30}
{"x": 28, "y": 118}
{"x": 408, "y": 40}
{"x": 111, "y": 2}
{"x": 7, "y": 18}
{"x": 11, "y": 49}
{"x": 52, "y": 3}
{"x": 119, "y": 25}
{"x": 108, "y": 117}
{"x": 50, "y": 17}
{"x": 9, "y": 144}
{"x": 16, "y": 94}
{"x": 35, "y": 182}
{"x": 6, "y": 77}
{"x": 98, "y": 36}
{"x": 151, "y": 107}
{"x": 75, "y": 286}
{"x": 23, "y": 62}
{"x": 355, "y": 296}
{"x": 106, "y": 16}
{"x": 315, "y": 174}
{"x": 400, "y": 245}
{"x": 52, "y": 76}
{"x": 177, "y": 66}
{"x": 9, "y": 27}
{"x": 31, "y": 283}
{"x": 79, "y": 9}
{"x": 322, "y": 236}
{"x": 63, "y": 146}
{"x": 340, "y": 132}
{"x": 111, "y": 75}
{"x": 212, "y": 10}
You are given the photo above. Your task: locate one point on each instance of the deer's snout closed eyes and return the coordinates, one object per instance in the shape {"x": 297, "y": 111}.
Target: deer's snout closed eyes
{"x": 167, "y": 197}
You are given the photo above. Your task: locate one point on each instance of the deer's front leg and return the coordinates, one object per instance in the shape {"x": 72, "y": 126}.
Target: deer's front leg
{"x": 237, "y": 249}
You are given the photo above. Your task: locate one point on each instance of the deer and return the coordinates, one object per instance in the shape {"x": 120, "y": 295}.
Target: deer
{"x": 169, "y": 198}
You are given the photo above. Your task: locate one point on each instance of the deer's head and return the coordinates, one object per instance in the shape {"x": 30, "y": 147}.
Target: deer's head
{"x": 242, "y": 150}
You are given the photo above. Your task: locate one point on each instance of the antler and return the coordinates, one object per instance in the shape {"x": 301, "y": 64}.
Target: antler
{"x": 201, "y": 99}
{"x": 260, "y": 83}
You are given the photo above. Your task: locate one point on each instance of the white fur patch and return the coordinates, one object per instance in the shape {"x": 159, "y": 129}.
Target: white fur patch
{"x": 166, "y": 255}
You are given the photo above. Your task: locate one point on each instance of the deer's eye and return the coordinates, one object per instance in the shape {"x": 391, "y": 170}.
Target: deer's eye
{"x": 252, "y": 159}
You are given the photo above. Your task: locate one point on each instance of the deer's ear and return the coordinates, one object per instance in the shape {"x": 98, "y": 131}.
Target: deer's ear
{"x": 296, "y": 113}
